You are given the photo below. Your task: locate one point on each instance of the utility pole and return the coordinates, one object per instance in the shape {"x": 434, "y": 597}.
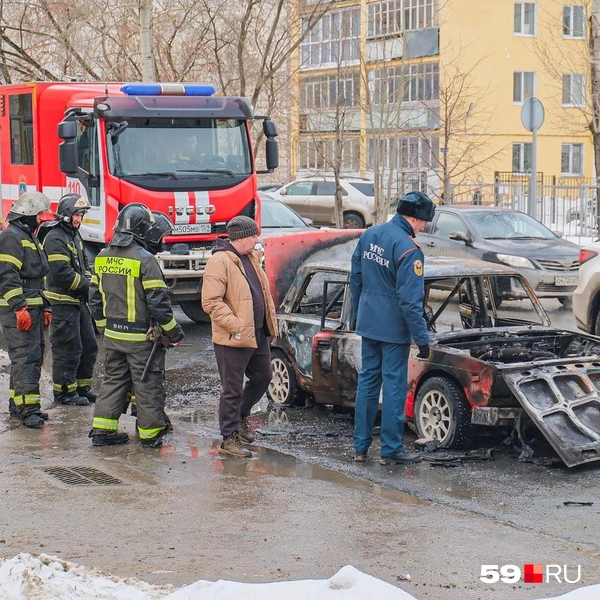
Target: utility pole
{"x": 594, "y": 44}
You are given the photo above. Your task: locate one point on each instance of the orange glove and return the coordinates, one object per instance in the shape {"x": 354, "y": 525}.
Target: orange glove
{"x": 47, "y": 318}
{"x": 23, "y": 319}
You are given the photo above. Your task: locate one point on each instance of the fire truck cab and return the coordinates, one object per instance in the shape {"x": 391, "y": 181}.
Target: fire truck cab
{"x": 177, "y": 148}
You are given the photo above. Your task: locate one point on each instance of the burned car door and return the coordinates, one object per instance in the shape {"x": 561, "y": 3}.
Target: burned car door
{"x": 336, "y": 348}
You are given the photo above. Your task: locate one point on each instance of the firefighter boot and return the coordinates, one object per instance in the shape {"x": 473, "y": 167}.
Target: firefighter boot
{"x": 13, "y": 411}
{"x": 32, "y": 418}
{"x": 86, "y": 392}
{"x": 156, "y": 441}
{"x": 108, "y": 439}
{"x": 70, "y": 399}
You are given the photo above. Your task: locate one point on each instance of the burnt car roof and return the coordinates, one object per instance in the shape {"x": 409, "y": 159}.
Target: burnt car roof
{"x": 434, "y": 267}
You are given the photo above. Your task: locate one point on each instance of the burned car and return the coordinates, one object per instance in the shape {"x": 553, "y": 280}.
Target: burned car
{"x": 492, "y": 363}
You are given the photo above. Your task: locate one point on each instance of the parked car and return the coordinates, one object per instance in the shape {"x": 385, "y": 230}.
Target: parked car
{"x": 586, "y": 298}
{"x": 277, "y": 217}
{"x": 510, "y": 237}
{"x": 314, "y": 198}
{"x": 269, "y": 187}
{"x": 489, "y": 364}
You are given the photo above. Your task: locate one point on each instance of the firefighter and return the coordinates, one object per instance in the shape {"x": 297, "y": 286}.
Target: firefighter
{"x": 129, "y": 300}
{"x": 24, "y": 312}
{"x": 72, "y": 336}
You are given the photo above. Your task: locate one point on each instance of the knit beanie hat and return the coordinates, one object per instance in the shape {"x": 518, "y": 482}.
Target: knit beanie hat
{"x": 241, "y": 227}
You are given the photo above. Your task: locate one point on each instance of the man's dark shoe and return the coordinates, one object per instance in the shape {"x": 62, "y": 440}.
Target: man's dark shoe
{"x": 232, "y": 446}
{"x": 108, "y": 439}
{"x": 70, "y": 399}
{"x": 86, "y": 392}
{"x": 245, "y": 433}
{"x": 360, "y": 455}
{"x": 33, "y": 420}
{"x": 399, "y": 459}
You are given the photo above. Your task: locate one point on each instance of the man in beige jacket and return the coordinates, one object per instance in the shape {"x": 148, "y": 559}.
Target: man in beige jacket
{"x": 235, "y": 293}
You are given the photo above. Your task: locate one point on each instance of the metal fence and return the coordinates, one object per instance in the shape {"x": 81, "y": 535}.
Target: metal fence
{"x": 564, "y": 205}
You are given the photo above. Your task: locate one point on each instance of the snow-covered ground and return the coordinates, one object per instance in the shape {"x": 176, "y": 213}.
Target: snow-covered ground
{"x": 44, "y": 577}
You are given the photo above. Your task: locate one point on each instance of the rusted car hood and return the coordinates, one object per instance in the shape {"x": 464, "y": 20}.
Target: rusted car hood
{"x": 563, "y": 400}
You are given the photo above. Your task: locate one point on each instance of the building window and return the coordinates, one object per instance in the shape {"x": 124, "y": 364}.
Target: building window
{"x": 403, "y": 153}
{"x": 525, "y": 18}
{"x": 521, "y": 157}
{"x": 571, "y": 160}
{"x": 573, "y": 91}
{"x": 573, "y": 22}
{"x": 329, "y": 91}
{"x": 333, "y": 40}
{"x": 21, "y": 129}
{"x": 320, "y": 154}
{"x": 419, "y": 14}
{"x": 384, "y": 18}
{"x": 523, "y": 85}
{"x": 410, "y": 83}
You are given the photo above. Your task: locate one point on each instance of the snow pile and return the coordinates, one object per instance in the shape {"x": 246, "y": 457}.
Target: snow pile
{"x": 26, "y": 577}
{"x": 347, "y": 584}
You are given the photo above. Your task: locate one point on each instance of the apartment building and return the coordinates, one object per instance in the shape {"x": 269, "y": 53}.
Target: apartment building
{"x": 430, "y": 92}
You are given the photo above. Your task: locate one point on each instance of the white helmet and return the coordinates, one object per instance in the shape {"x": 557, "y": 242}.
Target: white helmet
{"x": 29, "y": 204}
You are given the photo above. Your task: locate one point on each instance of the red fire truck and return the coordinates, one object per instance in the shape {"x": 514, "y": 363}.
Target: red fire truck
{"x": 177, "y": 148}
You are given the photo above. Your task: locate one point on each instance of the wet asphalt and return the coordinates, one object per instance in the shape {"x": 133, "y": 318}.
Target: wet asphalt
{"x": 300, "y": 508}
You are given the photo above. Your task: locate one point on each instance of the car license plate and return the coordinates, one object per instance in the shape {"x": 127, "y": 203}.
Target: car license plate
{"x": 565, "y": 281}
{"x": 187, "y": 228}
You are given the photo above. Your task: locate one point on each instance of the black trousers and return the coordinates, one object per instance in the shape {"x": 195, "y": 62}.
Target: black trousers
{"x": 74, "y": 347}
{"x": 26, "y": 352}
{"x": 238, "y": 399}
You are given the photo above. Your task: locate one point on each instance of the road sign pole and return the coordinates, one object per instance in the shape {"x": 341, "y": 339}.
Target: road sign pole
{"x": 532, "y": 117}
{"x": 532, "y": 200}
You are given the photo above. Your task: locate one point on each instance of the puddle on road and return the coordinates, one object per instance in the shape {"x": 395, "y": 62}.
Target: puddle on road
{"x": 272, "y": 462}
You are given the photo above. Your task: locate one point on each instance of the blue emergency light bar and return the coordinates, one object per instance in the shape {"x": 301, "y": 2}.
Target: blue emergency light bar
{"x": 168, "y": 89}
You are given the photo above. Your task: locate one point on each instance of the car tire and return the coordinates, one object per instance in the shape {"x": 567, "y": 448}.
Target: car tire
{"x": 596, "y": 324}
{"x": 353, "y": 220}
{"x": 283, "y": 389}
{"x": 442, "y": 413}
{"x": 192, "y": 309}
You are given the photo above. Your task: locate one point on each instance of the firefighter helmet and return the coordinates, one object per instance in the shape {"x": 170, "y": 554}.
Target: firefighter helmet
{"x": 162, "y": 226}
{"x": 29, "y": 204}
{"x": 133, "y": 223}
{"x": 416, "y": 204}
{"x": 71, "y": 204}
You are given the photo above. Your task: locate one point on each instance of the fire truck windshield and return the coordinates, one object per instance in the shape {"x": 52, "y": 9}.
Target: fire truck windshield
{"x": 180, "y": 148}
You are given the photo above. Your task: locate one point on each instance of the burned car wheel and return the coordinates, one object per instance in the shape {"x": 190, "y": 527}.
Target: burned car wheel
{"x": 283, "y": 389}
{"x": 442, "y": 413}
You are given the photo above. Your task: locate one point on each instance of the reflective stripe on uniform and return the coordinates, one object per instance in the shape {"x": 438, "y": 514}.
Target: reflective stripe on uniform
{"x": 58, "y": 258}
{"x": 152, "y": 284}
{"x": 60, "y": 297}
{"x": 36, "y": 301}
{"x": 81, "y": 383}
{"x": 112, "y": 265}
{"x": 12, "y": 260}
{"x": 100, "y": 323}
{"x": 60, "y": 387}
{"x": 126, "y": 337}
{"x": 146, "y": 434}
{"x": 20, "y": 400}
{"x": 18, "y": 291}
{"x": 170, "y": 325}
{"x": 76, "y": 282}
{"x": 106, "y": 424}
{"x": 28, "y": 244}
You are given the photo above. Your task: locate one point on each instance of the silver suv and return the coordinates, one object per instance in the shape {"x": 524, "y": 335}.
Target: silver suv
{"x": 314, "y": 198}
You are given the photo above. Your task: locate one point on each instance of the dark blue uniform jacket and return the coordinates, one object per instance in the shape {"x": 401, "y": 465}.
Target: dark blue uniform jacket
{"x": 387, "y": 284}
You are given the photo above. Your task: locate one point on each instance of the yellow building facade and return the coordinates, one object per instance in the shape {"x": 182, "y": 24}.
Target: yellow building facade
{"x": 430, "y": 93}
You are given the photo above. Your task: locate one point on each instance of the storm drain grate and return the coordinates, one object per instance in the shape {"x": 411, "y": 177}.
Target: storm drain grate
{"x": 81, "y": 476}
